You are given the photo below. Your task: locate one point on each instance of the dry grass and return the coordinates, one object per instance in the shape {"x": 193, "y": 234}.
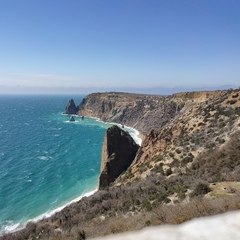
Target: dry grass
{"x": 223, "y": 189}
{"x": 202, "y": 147}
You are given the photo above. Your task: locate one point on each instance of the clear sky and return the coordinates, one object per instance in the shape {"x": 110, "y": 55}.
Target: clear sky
{"x": 72, "y": 45}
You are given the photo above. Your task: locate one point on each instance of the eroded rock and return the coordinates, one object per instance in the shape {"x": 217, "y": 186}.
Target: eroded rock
{"x": 71, "y": 107}
{"x": 118, "y": 152}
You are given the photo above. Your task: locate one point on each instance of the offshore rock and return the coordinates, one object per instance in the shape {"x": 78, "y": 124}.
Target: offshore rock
{"x": 118, "y": 152}
{"x": 71, "y": 107}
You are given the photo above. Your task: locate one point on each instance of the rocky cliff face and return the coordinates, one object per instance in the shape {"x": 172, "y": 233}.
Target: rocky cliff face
{"x": 119, "y": 150}
{"x": 191, "y": 156}
{"x": 178, "y": 129}
{"x": 143, "y": 112}
{"x": 140, "y": 111}
{"x": 206, "y": 125}
{"x": 71, "y": 107}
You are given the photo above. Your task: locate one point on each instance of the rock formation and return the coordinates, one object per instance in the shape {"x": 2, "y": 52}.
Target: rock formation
{"x": 71, "y": 107}
{"x": 177, "y": 130}
{"x": 141, "y": 111}
{"x": 118, "y": 152}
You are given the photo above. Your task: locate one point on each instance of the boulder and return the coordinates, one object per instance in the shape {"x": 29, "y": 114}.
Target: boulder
{"x": 71, "y": 107}
{"x": 118, "y": 152}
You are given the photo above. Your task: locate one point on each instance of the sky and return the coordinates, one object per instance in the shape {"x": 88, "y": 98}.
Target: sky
{"x": 80, "y": 46}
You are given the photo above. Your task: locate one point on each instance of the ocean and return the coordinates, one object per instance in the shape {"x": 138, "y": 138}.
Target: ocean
{"x": 46, "y": 161}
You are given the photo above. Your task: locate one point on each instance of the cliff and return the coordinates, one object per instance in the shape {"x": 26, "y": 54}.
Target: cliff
{"x": 204, "y": 126}
{"x": 118, "y": 152}
{"x": 190, "y": 154}
{"x": 141, "y": 111}
{"x": 178, "y": 129}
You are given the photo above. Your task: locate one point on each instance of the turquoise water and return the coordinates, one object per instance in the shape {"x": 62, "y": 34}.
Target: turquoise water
{"x": 45, "y": 160}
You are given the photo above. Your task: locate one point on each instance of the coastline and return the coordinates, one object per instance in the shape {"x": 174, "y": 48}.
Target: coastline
{"x": 135, "y": 134}
{"x": 18, "y": 226}
{"x": 50, "y": 213}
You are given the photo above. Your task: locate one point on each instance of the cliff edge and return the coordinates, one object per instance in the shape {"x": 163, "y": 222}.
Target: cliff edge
{"x": 118, "y": 152}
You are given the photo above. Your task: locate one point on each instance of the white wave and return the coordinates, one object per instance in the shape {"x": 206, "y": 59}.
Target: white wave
{"x": 44, "y": 158}
{"x": 54, "y": 201}
{"x": 12, "y": 227}
{"x": 135, "y": 135}
{"x": 133, "y": 131}
{"x": 50, "y": 213}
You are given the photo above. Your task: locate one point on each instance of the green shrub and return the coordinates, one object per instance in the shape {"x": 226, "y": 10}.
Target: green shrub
{"x": 187, "y": 159}
{"x": 200, "y": 189}
{"x": 81, "y": 235}
{"x": 178, "y": 151}
{"x": 157, "y": 158}
{"x": 168, "y": 171}
{"x": 231, "y": 102}
{"x": 201, "y": 124}
{"x": 146, "y": 205}
{"x": 158, "y": 169}
{"x": 174, "y": 163}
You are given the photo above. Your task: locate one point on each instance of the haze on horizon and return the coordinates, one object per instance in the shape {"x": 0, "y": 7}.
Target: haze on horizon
{"x": 131, "y": 45}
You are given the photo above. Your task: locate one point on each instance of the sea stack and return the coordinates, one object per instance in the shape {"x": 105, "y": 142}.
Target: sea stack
{"x": 71, "y": 107}
{"x": 118, "y": 152}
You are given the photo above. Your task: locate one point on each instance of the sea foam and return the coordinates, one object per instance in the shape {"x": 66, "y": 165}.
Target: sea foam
{"x": 12, "y": 227}
{"x": 37, "y": 152}
{"x": 50, "y": 213}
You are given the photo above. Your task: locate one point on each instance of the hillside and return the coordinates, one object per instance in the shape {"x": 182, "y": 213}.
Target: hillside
{"x": 143, "y": 112}
{"x": 188, "y": 165}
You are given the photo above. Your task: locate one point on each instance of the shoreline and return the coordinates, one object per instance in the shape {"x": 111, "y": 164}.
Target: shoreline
{"x": 52, "y": 212}
{"x": 19, "y": 226}
{"x": 135, "y": 134}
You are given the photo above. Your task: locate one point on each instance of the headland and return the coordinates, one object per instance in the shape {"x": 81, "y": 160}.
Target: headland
{"x": 187, "y": 165}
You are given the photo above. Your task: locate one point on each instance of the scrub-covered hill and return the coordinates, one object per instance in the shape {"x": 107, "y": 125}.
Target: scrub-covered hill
{"x": 187, "y": 166}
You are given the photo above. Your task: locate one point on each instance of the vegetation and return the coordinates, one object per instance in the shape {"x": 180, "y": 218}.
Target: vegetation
{"x": 172, "y": 180}
{"x": 200, "y": 189}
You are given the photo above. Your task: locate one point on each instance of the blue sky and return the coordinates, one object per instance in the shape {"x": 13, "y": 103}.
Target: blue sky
{"x": 75, "y": 45}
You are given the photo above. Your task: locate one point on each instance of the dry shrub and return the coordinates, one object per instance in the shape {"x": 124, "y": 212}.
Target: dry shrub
{"x": 198, "y": 207}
